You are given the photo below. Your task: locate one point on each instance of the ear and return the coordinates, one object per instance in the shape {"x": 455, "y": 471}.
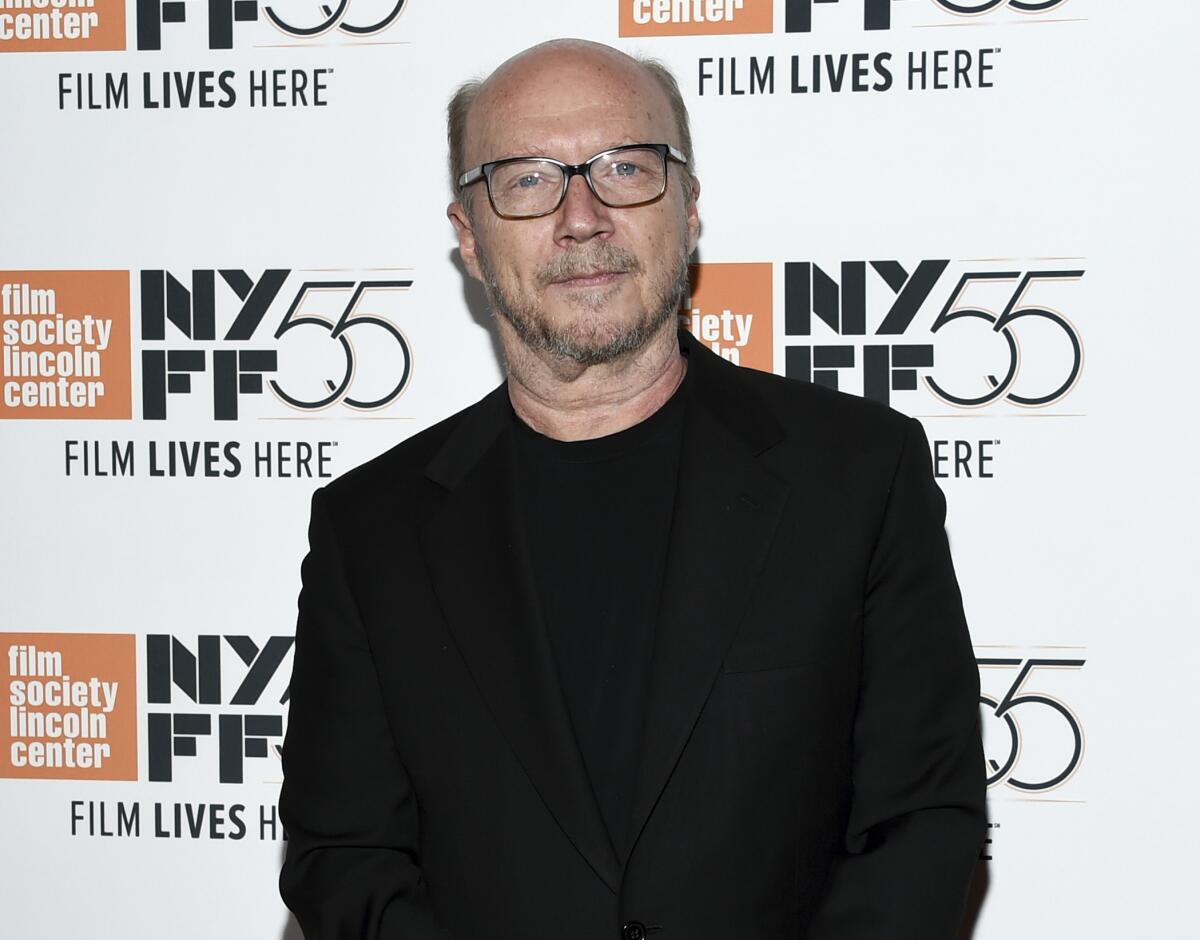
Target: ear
{"x": 457, "y": 213}
{"x": 693, "y": 216}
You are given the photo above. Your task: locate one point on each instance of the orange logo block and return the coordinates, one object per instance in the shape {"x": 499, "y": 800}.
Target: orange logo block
{"x": 72, "y": 706}
{"x": 64, "y": 344}
{"x": 695, "y": 17}
{"x": 61, "y": 25}
{"x": 730, "y": 312}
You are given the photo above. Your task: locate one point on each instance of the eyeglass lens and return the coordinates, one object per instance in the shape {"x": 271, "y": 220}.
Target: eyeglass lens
{"x": 533, "y": 187}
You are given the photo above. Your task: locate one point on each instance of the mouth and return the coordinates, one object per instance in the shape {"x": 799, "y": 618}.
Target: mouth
{"x": 590, "y": 279}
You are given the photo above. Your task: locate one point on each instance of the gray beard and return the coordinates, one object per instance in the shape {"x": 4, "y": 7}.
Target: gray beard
{"x": 539, "y": 335}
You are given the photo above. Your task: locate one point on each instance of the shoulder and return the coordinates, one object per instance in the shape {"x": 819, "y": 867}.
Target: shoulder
{"x": 398, "y": 477}
{"x": 823, "y": 422}
{"x": 806, "y": 408}
{"x": 840, "y": 449}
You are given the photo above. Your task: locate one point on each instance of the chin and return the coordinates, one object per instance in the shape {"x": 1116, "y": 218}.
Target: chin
{"x": 592, "y": 324}
{"x": 594, "y": 338}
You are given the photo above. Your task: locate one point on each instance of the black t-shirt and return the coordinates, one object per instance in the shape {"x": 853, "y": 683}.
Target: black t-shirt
{"x": 598, "y": 515}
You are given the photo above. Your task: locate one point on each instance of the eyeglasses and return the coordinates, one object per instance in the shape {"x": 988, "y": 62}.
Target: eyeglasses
{"x": 528, "y": 187}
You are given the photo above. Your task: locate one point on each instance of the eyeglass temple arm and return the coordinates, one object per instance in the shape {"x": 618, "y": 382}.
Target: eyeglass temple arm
{"x": 470, "y": 176}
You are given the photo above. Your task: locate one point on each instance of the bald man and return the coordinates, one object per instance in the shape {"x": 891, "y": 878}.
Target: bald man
{"x": 641, "y": 643}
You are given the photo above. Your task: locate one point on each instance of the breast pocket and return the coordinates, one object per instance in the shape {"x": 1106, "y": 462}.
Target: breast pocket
{"x": 819, "y": 638}
{"x": 761, "y": 656}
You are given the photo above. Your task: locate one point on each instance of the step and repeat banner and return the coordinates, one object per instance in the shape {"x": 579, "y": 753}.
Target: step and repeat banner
{"x": 227, "y": 278}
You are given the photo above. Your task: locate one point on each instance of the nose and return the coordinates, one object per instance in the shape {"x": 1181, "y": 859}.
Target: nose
{"x": 581, "y": 216}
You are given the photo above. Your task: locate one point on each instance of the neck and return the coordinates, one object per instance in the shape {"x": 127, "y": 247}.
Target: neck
{"x": 572, "y": 402}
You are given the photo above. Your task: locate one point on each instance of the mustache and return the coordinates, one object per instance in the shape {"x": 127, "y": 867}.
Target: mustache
{"x": 588, "y": 261}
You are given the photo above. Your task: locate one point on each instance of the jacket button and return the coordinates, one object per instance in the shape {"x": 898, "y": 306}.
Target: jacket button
{"x": 633, "y": 930}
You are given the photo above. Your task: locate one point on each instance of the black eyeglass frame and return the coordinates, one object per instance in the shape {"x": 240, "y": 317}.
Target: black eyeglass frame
{"x": 485, "y": 170}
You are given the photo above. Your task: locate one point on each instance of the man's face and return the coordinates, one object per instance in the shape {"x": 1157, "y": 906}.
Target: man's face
{"x": 586, "y": 282}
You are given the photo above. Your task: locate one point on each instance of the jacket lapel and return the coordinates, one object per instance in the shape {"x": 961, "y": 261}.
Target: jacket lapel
{"x": 479, "y": 564}
{"x": 727, "y": 507}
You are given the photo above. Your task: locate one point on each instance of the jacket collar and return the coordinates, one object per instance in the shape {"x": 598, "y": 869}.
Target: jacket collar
{"x": 717, "y": 385}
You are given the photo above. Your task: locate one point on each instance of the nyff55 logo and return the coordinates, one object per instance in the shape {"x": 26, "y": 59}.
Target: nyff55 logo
{"x": 880, "y": 327}
{"x": 350, "y": 19}
{"x": 877, "y": 14}
{"x": 223, "y": 697}
{"x": 313, "y": 343}
{"x": 347, "y": 18}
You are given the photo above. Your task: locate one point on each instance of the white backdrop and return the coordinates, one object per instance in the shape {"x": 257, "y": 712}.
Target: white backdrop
{"x": 1072, "y": 520}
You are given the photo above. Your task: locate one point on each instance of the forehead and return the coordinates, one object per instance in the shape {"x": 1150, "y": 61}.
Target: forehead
{"x": 568, "y": 106}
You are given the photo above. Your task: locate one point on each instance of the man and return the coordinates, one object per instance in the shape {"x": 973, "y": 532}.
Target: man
{"x": 641, "y": 643}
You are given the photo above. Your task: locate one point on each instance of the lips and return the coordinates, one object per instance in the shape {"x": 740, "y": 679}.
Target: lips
{"x": 589, "y": 279}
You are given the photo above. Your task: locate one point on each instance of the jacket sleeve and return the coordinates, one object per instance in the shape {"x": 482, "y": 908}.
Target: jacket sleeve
{"x": 918, "y": 809}
{"x": 351, "y": 868}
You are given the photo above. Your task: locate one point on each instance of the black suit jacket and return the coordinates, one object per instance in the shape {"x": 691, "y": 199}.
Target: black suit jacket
{"x": 812, "y": 764}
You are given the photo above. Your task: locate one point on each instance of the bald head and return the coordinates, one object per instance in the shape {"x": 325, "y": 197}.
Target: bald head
{"x": 550, "y": 80}
{"x": 586, "y": 59}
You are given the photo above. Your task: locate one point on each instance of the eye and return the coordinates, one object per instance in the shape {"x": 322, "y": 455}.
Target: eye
{"x": 527, "y": 181}
{"x": 625, "y": 169}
